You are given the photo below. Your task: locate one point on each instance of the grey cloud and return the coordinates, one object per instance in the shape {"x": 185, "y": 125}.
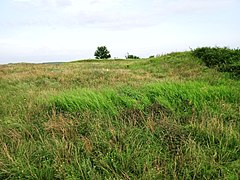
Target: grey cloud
{"x": 123, "y": 16}
{"x": 189, "y": 6}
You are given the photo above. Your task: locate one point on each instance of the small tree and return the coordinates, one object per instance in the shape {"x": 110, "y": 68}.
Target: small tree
{"x": 102, "y": 53}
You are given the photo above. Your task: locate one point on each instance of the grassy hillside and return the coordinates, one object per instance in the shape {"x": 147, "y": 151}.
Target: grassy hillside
{"x": 169, "y": 117}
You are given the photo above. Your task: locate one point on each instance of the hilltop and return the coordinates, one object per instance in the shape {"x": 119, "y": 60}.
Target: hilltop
{"x": 169, "y": 117}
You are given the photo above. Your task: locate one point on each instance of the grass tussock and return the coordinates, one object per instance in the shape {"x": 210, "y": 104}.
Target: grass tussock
{"x": 161, "y": 118}
{"x": 180, "y": 99}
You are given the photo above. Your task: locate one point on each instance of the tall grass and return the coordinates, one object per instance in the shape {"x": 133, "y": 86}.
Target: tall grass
{"x": 181, "y": 99}
{"x": 163, "y": 118}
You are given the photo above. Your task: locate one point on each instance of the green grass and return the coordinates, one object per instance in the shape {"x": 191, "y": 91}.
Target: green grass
{"x": 161, "y": 118}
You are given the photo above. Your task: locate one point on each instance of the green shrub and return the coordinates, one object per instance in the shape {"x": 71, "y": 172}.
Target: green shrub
{"x": 130, "y": 56}
{"x": 223, "y": 59}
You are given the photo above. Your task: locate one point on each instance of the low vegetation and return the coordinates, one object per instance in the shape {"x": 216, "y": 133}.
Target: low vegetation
{"x": 224, "y": 59}
{"x": 169, "y": 117}
{"x": 130, "y": 56}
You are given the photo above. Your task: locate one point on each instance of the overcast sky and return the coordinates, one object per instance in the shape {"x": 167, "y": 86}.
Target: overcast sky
{"x": 64, "y": 30}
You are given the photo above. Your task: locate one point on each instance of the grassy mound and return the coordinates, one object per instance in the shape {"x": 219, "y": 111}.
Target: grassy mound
{"x": 161, "y": 118}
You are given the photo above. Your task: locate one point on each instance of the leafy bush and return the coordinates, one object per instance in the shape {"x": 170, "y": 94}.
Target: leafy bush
{"x": 223, "y": 59}
{"x": 130, "y": 56}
